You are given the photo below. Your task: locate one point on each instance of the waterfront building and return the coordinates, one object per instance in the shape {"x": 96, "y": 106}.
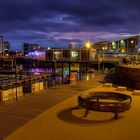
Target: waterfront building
{"x": 121, "y": 46}
{"x": 34, "y": 51}
{"x": 73, "y": 54}
{"x": 6, "y": 46}
{"x": 1, "y": 44}
{"x": 27, "y": 48}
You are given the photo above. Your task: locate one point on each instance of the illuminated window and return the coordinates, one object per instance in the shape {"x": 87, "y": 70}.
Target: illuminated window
{"x": 74, "y": 55}
{"x": 113, "y": 45}
{"x": 122, "y": 41}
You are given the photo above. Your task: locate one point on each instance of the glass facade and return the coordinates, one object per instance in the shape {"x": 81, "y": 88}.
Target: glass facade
{"x": 74, "y": 55}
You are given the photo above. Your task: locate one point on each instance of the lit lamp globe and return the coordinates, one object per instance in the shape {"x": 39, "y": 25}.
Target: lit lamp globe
{"x": 88, "y": 45}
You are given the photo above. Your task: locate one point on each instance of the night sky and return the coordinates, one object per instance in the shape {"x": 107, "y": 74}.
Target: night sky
{"x": 55, "y": 23}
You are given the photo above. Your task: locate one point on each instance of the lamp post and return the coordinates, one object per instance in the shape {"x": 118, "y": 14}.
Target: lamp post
{"x": 16, "y": 78}
{"x": 88, "y": 45}
{"x": 103, "y": 57}
{"x": 103, "y": 48}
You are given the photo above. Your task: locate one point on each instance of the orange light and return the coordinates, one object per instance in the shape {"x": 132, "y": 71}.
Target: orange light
{"x": 123, "y": 50}
{"x": 88, "y": 45}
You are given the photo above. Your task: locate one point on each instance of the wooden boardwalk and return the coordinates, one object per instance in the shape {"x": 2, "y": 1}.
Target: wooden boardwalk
{"x": 14, "y": 114}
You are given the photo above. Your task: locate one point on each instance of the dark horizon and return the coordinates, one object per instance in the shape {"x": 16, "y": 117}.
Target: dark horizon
{"x": 58, "y": 22}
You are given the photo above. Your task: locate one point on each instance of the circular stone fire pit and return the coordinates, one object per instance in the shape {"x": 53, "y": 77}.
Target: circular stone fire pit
{"x": 105, "y": 102}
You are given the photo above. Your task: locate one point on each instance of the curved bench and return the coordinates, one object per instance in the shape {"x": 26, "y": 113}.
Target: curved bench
{"x": 105, "y": 102}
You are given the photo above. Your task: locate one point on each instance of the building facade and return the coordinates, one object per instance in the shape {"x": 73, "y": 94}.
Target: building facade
{"x": 129, "y": 45}
{"x": 27, "y": 48}
{"x": 1, "y": 44}
{"x": 6, "y": 46}
{"x": 34, "y": 51}
{"x": 74, "y": 54}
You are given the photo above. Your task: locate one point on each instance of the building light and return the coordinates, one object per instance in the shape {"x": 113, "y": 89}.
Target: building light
{"x": 123, "y": 50}
{"x": 87, "y": 77}
{"x": 57, "y": 52}
{"x": 105, "y": 48}
{"x": 122, "y": 41}
{"x": 132, "y": 41}
{"x": 49, "y": 48}
{"x": 74, "y": 54}
{"x": 88, "y": 45}
{"x": 114, "y": 47}
{"x": 113, "y": 43}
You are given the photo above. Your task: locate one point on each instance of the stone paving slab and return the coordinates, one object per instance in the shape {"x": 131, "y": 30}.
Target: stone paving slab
{"x": 61, "y": 122}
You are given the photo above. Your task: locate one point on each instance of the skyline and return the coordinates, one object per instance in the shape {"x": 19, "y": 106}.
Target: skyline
{"x": 55, "y": 24}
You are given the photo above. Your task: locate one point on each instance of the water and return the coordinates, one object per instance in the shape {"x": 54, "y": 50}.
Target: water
{"x": 58, "y": 79}
{"x": 34, "y": 70}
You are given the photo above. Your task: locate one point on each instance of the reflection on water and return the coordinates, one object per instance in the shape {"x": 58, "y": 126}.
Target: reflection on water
{"x": 40, "y": 70}
{"x": 59, "y": 71}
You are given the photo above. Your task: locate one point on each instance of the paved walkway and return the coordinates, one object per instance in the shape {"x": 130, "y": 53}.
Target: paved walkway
{"x": 61, "y": 122}
{"x": 14, "y": 114}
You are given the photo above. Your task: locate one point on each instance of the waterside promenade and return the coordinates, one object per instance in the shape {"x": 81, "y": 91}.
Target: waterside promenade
{"x": 14, "y": 114}
{"x": 61, "y": 122}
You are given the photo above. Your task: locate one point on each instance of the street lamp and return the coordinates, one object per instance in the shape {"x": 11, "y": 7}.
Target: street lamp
{"x": 88, "y": 45}
{"x": 103, "y": 48}
{"x": 103, "y": 57}
{"x": 16, "y": 78}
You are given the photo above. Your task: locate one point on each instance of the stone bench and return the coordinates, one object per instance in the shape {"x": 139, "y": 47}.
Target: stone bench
{"x": 121, "y": 88}
{"x": 136, "y": 92}
{"x": 108, "y": 85}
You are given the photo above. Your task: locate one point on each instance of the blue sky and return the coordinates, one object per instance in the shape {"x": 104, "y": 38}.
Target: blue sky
{"x": 55, "y": 23}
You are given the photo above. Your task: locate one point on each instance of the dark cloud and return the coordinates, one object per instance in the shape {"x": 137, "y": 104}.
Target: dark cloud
{"x": 61, "y": 21}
